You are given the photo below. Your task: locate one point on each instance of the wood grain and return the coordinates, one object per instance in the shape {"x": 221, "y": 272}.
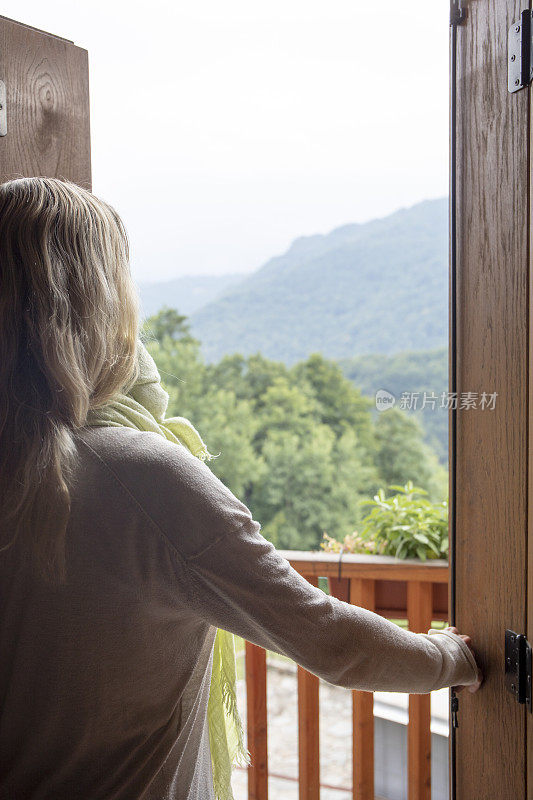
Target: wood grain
{"x": 390, "y": 597}
{"x": 308, "y": 733}
{"x": 362, "y": 593}
{"x": 492, "y": 356}
{"x": 47, "y": 106}
{"x": 363, "y": 566}
{"x": 529, "y": 609}
{"x": 419, "y": 608}
{"x": 256, "y": 706}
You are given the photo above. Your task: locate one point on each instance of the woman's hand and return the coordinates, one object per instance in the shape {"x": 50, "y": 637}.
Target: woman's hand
{"x": 474, "y": 686}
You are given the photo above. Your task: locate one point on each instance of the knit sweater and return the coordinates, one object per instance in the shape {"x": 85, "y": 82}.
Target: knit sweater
{"x": 105, "y": 680}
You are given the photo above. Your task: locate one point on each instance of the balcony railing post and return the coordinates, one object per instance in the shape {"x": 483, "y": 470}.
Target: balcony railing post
{"x": 256, "y": 703}
{"x": 308, "y": 731}
{"x": 362, "y": 593}
{"x": 419, "y": 610}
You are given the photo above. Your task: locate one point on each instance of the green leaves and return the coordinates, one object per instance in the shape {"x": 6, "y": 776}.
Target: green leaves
{"x": 405, "y": 525}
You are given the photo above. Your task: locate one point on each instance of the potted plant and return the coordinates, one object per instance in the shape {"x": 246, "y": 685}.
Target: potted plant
{"x": 405, "y": 525}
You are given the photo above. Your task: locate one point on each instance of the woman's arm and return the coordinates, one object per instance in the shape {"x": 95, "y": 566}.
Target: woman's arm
{"x": 242, "y": 584}
{"x": 230, "y": 575}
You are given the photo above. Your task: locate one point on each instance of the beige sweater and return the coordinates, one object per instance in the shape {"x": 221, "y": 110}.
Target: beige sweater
{"x": 105, "y": 681}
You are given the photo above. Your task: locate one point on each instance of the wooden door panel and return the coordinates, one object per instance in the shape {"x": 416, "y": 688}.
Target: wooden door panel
{"x": 47, "y": 86}
{"x": 529, "y": 610}
{"x": 492, "y": 356}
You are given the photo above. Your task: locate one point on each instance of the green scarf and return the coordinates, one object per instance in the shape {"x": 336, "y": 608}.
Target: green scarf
{"x": 144, "y": 408}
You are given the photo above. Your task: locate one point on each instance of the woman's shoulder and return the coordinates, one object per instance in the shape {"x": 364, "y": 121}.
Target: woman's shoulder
{"x": 169, "y": 484}
{"x": 128, "y": 446}
{"x": 143, "y": 461}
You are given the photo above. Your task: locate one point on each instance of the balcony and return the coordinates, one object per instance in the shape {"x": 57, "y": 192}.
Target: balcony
{"x": 408, "y": 590}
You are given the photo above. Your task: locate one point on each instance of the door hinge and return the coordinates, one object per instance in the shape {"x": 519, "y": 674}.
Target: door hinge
{"x": 519, "y": 60}
{"x": 3, "y": 113}
{"x": 455, "y": 710}
{"x": 457, "y": 12}
{"x": 518, "y": 667}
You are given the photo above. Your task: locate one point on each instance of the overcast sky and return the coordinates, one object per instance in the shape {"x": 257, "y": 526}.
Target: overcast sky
{"x": 224, "y": 129}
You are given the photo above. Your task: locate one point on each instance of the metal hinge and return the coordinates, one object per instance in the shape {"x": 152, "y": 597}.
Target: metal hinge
{"x": 457, "y": 12}
{"x": 3, "y": 113}
{"x": 518, "y": 676}
{"x": 519, "y": 47}
{"x": 454, "y": 709}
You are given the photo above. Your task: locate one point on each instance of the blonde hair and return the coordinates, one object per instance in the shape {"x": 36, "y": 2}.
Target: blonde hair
{"x": 68, "y": 342}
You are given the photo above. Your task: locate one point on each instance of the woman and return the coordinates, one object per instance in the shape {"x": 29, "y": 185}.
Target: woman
{"x": 122, "y": 552}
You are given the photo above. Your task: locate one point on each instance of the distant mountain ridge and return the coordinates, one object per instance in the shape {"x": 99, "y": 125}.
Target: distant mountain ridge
{"x": 187, "y": 294}
{"x": 378, "y": 287}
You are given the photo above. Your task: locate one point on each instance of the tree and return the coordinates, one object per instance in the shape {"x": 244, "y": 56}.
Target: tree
{"x": 340, "y": 405}
{"x": 284, "y": 407}
{"x": 402, "y": 455}
{"x": 310, "y": 485}
{"x": 178, "y": 359}
{"x": 228, "y": 426}
{"x": 261, "y": 373}
{"x": 167, "y": 323}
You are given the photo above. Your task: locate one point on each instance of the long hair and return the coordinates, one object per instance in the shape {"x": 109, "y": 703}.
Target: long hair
{"x": 68, "y": 342}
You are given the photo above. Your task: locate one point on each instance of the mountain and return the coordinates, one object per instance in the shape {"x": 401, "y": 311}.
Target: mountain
{"x": 187, "y": 294}
{"x": 379, "y": 287}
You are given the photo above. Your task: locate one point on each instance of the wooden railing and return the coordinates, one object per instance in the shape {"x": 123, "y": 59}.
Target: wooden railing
{"x": 412, "y": 590}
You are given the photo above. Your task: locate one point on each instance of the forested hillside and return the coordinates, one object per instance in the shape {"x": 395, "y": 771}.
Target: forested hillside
{"x": 380, "y": 287}
{"x": 298, "y": 444}
{"x": 423, "y": 371}
{"x": 363, "y": 294}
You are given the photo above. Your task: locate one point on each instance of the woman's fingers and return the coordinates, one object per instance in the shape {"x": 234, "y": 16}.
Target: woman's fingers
{"x": 468, "y": 641}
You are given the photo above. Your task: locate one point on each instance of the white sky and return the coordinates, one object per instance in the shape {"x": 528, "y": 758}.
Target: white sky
{"x": 224, "y": 129}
